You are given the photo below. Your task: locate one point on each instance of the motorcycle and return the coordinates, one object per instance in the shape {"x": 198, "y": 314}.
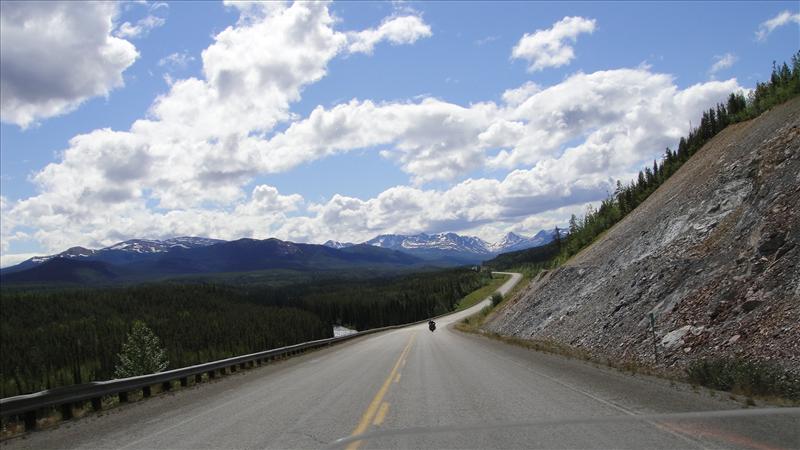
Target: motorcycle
{"x": 432, "y": 325}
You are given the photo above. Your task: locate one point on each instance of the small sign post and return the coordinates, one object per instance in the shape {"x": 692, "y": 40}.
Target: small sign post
{"x": 653, "y": 329}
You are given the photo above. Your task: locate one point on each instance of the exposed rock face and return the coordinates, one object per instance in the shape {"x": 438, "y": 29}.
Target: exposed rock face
{"x": 714, "y": 254}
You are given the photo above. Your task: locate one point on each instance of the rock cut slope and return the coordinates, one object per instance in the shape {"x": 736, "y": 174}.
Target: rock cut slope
{"x": 714, "y": 254}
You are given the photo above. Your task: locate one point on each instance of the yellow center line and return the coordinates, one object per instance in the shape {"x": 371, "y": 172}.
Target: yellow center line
{"x": 372, "y": 409}
{"x": 397, "y": 378}
{"x": 381, "y": 416}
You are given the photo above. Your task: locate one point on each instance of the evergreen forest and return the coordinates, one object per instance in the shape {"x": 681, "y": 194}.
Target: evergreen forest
{"x": 51, "y": 338}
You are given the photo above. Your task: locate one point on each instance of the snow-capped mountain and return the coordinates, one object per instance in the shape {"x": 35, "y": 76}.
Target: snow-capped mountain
{"x": 452, "y": 245}
{"x": 509, "y": 241}
{"x": 157, "y": 246}
{"x": 337, "y": 244}
{"x": 73, "y": 252}
{"x": 512, "y": 242}
{"x": 545, "y": 237}
{"x": 438, "y": 249}
{"x": 141, "y": 260}
{"x": 126, "y": 250}
{"x": 441, "y": 241}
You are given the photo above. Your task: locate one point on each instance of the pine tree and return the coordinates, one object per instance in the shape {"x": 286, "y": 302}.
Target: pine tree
{"x": 573, "y": 225}
{"x": 141, "y": 354}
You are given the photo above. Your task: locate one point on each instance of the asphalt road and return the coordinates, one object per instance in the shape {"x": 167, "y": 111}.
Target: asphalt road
{"x": 411, "y": 388}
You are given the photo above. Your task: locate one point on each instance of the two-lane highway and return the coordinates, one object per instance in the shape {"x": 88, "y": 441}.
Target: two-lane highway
{"x": 440, "y": 390}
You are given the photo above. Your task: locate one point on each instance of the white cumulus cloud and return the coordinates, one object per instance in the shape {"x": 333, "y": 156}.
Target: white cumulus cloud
{"x": 200, "y": 144}
{"x": 55, "y": 55}
{"x": 396, "y": 30}
{"x": 551, "y": 47}
{"x": 518, "y": 95}
{"x": 629, "y": 109}
{"x": 431, "y": 139}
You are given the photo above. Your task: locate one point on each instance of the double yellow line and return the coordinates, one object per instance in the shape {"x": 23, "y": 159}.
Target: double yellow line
{"x": 377, "y": 409}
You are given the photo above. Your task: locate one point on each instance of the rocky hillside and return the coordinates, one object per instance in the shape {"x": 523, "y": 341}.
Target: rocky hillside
{"x": 714, "y": 254}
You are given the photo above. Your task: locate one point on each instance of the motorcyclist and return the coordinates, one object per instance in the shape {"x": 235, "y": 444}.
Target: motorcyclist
{"x": 431, "y": 325}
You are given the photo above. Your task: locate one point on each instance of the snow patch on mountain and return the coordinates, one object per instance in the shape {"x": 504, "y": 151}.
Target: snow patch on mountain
{"x": 73, "y": 252}
{"x": 158, "y": 246}
{"x": 337, "y": 245}
{"x": 462, "y": 244}
{"x": 140, "y": 246}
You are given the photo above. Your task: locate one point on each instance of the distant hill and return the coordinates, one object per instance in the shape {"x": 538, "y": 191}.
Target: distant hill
{"x": 125, "y": 252}
{"x": 64, "y": 270}
{"x": 144, "y": 260}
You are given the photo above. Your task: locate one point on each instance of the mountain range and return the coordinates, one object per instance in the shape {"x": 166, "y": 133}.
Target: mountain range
{"x": 457, "y": 248}
{"x": 142, "y": 259}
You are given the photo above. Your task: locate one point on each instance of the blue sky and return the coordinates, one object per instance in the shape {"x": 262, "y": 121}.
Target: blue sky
{"x": 346, "y": 120}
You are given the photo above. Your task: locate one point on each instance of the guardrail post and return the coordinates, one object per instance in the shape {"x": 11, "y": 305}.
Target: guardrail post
{"x": 97, "y": 403}
{"x": 184, "y": 381}
{"x": 198, "y": 378}
{"x": 123, "y": 397}
{"x": 212, "y": 374}
{"x": 66, "y": 411}
{"x": 166, "y": 386}
{"x": 30, "y": 420}
{"x": 146, "y": 392}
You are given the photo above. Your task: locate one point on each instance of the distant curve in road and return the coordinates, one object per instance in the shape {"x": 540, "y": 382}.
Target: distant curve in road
{"x": 412, "y": 388}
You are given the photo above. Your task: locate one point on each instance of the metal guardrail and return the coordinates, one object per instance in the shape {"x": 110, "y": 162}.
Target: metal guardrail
{"x": 65, "y": 397}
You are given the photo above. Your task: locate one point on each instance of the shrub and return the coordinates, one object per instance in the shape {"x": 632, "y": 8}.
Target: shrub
{"x": 745, "y": 377}
{"x": 497, "y": 298}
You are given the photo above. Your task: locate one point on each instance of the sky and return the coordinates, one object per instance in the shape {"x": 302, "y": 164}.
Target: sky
{"x": 345, "y": 120}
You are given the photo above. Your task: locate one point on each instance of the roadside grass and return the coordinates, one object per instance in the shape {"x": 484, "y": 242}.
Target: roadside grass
{"x": 527, "y": 276}
{"x": 745, "y": 381}
{"x": 476, "y": 296}
{"x": 473, "y": 323}
{"x": 750, "y": 378}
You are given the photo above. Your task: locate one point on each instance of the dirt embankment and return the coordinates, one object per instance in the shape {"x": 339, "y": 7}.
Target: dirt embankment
{"x": 714, "y": 254}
